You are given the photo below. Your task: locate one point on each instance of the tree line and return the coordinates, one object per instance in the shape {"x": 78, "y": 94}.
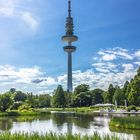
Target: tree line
{"x": 82, "y": 96}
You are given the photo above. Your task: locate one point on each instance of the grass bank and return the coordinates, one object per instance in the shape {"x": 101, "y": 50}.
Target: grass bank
{"x": 45, "y": 111}
{"x": 78, "y": 109}
{"x": 18, "y": 113}
{"x": 52, "y": 136}
{"x": 125, "y": 122}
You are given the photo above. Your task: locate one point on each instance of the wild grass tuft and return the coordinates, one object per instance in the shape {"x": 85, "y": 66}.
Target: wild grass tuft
{"x": 53, "y": 136}
{"x": 126, "y": 122}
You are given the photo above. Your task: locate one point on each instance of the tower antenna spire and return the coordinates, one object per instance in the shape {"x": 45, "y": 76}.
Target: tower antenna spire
{"x": 69, "y": 8}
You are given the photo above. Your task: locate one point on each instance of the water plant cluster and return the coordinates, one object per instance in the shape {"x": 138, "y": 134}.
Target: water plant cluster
{"x": 53, "y": 136}
{"x": 125, "y": 122}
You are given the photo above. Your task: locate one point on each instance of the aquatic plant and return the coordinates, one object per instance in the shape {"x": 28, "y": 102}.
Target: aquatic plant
{"x": 126, "y": 122}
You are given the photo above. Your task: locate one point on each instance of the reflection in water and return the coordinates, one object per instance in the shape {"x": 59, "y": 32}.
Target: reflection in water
{"x": 64, "y": 123}
{"x": 136, "y": 133}
{"x": 83, "y": 121}
{"x": 5, "y": 124}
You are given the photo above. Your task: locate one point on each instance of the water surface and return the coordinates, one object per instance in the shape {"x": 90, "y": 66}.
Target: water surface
{"x": 63, "y": 122}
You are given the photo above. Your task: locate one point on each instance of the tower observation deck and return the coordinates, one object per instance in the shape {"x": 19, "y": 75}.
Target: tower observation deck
{"x": 69, "y": 38}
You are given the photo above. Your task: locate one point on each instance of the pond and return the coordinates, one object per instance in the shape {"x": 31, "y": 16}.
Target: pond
{"x": 63, "y": 122}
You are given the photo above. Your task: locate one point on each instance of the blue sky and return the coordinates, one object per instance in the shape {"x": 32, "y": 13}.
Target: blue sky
{"x": 31, "y": 54}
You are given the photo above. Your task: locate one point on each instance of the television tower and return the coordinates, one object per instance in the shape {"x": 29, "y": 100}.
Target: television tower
{"x": 69, "y": 38}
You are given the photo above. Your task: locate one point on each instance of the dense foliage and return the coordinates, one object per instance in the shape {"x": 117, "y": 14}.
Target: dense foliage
{"x": 81, "y": 97}
{"x": 130, "y": 92}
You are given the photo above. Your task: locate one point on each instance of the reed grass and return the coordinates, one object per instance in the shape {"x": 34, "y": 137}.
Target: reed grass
{"x": 126, "y": 122}
{"x": 53, "y": 136}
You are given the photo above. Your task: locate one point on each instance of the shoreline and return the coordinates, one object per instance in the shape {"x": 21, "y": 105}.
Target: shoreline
{"x": 69, "y": 110}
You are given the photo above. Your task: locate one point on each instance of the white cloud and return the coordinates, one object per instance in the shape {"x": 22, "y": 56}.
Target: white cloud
{"x": 30, "y": 20}
{"x": 128, "y": 67}
{"x": 137, "y": 63}
{"x": 101, "y": 79}
{"x": 48, "y": 82}
{"x": 12, "y": 9}
{"x": 137, "y": 53}
{"x": 26, "y": 79}
{"x": 33, "y": 79}
{"x": 105, "y": 67}
{"x": 22, "y": 75}
{"x": 108, "y": 57}
{"x": 62, "y": 78}
{"x": 100, "y": 75}
{"x": 114, "y": 53}
{"x": 102, "y": 70}
{"x": 7, "y": 7}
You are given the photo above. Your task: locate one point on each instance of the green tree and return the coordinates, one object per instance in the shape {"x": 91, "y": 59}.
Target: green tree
{"x": 59, "y": 97}
{"x": 68, "y": 98}
{"x": 12, "y": 90}
{"x": 97, "y": 96}
{"x": 118, "y": 96}
{"x": 82, "y": 99}
{"x": 5, "y": 102}
{"x": 81, "y": 88}
{"x": 125, "y": 88}
{"x": 111, "y": 91}
{"x": 44, "y": 100}
{"x": 106, "y": 97}
{"x": 20, "y": 96}
{"x": 15, "y": 105}
{"x": 133, "y": 90}
{"x": 31, "y": 100}
{"x": 134, "y": 93}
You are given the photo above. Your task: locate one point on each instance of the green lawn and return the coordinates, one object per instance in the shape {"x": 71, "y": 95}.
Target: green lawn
{"x": 19, "y": 113}
{"x": 47, "y": 110}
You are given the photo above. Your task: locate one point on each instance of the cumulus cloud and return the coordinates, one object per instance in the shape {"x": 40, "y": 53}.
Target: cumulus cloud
{"x": 29, "y": 79}
{"x": 48, "y": 81}
{"x": 99, "y": 75}
{"x": 30, "y": 20}
{"x": 137, "y": 63}
{"x": 101, "y": 79}
{"x": 33, "y": 79}
{"x": 108, "y": 57}
{"x": 105, "y": 67}
{"x": 122, "y": 66}
{"x": 128, "y": 67}
{"x": 137, "y": 53}
{"x": 114, "y": 53}
{"x": 21, "y": 75}
{"x": 10, "y": 8}
{"x": 7, "y": 7}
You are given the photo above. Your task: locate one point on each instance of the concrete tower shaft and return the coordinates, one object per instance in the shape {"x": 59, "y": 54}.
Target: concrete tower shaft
{"x": 69, "y": 37}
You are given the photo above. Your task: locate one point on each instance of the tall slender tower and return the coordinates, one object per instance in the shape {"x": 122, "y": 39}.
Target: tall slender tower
{"x": 69, "y": 38}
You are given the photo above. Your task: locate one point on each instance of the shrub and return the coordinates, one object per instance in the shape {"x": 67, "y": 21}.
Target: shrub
{"x": 131, "y": 107}
{"x": 25, "y": 108}
{"x": 16, "y": 105}
{"x": 122, "y": 107}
